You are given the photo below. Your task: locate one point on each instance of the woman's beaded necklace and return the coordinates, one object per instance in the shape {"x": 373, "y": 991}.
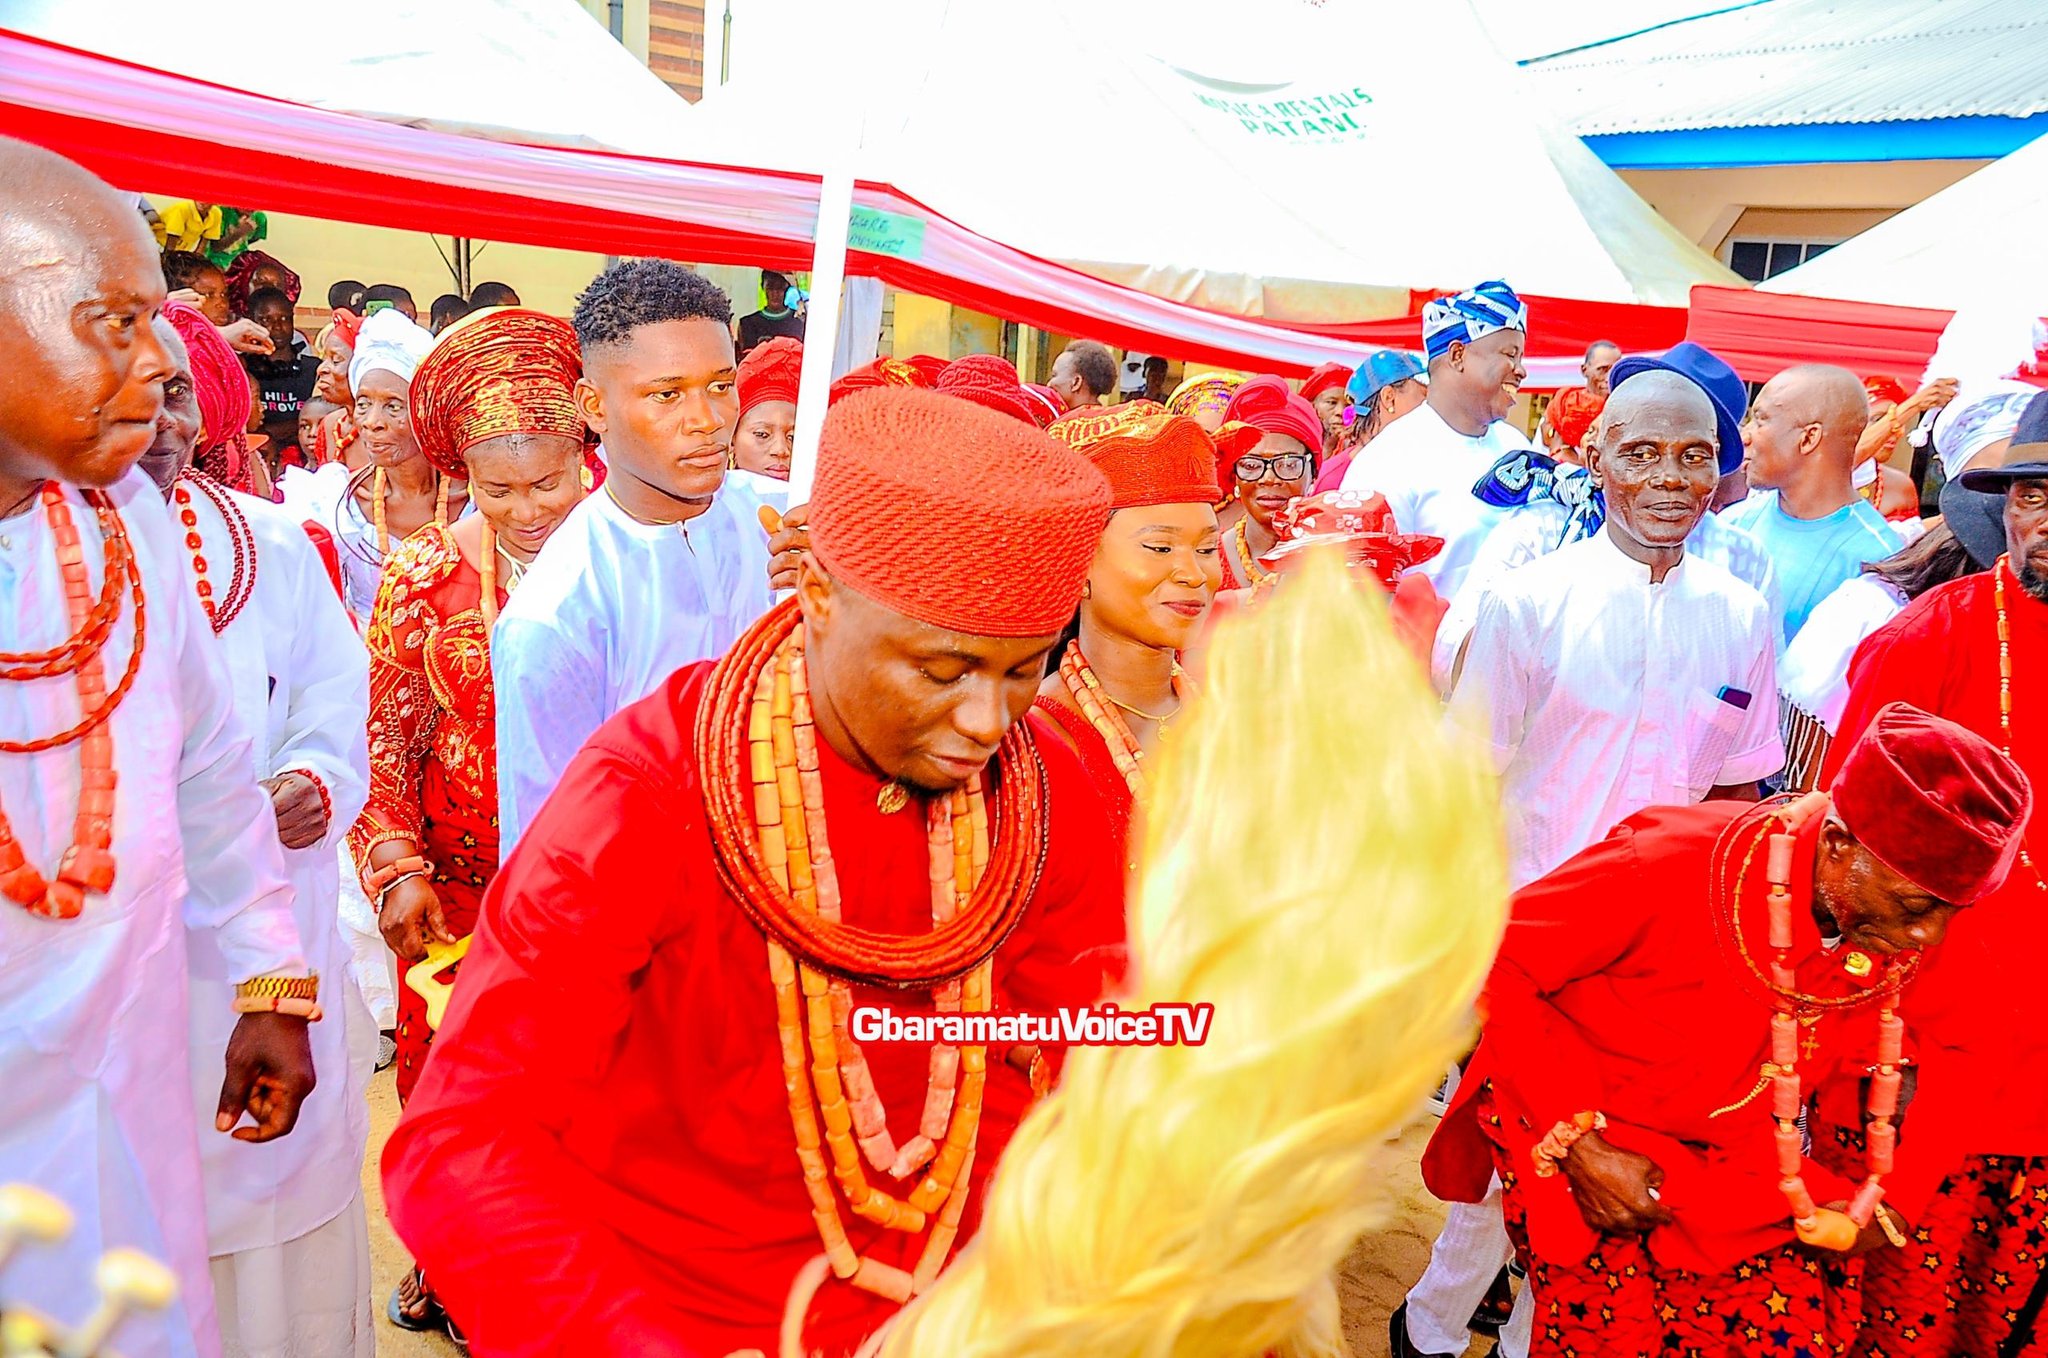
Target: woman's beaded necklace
{"x": 1099, "y": 706}
{"x": 380, "y": 486}
{"x": 1998, "y": 574}
{"x": 241, "y": 539}
{"x": 87, "y": 865}
{"x": 487, "y": 572}
{"x": 1254, "y": 573}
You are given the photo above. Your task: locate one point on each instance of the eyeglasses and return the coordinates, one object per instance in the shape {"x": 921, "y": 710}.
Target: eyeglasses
{"x": 1286, "y": 467}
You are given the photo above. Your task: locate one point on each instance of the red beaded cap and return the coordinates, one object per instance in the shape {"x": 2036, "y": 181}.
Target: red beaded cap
{"x": 1938, "y": 804}
{"x": 954, "y": 515}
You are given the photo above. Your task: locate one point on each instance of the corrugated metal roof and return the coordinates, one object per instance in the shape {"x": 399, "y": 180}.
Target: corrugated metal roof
{"x": 1791, "y": 62}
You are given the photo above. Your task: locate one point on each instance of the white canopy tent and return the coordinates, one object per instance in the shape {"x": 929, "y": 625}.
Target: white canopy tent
{"x": 1294, "y": 187}
{"x": 1306, "y": 163}
{"x": 534, "y": 71}
{"x": 1979, "y": 239}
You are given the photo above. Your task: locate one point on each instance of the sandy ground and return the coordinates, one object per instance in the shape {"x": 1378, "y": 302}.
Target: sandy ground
{"x": 1372, "y": 1280}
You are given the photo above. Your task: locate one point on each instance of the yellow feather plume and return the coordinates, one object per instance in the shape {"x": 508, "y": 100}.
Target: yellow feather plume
{"x": 1322, "y": 865}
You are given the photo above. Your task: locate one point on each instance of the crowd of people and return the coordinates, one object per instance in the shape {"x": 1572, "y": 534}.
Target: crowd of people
{"x": 473, "y": 698}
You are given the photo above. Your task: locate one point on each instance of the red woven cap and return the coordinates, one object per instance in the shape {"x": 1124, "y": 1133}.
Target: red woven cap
{"x": 881, "y": 372}
{"x": 988, "y": 381}
{"x": 1882, "y": 387}
{"x": 1323, "y": 378}
{"x": 951, "y": 514}
{"x": 1938, "y": 804}
{"x": 1149, "y": 456}
{"x": 1046, "y": 404}
{"x": 771, "y": 371}
{"x": 1267, "y": 405}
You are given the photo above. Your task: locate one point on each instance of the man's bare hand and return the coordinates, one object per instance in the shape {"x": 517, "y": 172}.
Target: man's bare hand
{"x": 301, "y": 813}
{"x": 1615, "y": 1189}
{"x": 269, "y": 1075}
{"x": 787, "y": 544}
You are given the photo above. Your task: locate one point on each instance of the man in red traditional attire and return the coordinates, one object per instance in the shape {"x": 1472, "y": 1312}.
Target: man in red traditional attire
{"x": 652, "y": 1176}
{"x": 1975, "y": 651}
{"x": 1663, "y": 1005}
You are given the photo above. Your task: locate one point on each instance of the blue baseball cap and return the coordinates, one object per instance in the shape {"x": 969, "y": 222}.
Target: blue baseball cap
{"x": 1704, "y": 369}
{"x": 1380, "y": 371}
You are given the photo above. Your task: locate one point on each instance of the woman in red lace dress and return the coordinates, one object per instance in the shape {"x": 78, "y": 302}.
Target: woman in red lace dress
{"x": 492, "y": 403}
{"x": 1118, "y": 684}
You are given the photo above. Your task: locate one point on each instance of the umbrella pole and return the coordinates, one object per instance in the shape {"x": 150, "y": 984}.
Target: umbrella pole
{"x": 821, "y": 327}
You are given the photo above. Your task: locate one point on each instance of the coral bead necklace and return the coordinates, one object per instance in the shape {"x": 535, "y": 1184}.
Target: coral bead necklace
{"x": 87, "y": 865}
{"x": 1777, "y": 827}
{"x": 241, "y": 540}
{"x": 1100, "y": 707}
{"x": 767, "y": 814}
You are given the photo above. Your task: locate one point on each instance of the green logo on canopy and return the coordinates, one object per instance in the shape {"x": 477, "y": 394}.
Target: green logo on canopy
{"x": 885, "y": 233}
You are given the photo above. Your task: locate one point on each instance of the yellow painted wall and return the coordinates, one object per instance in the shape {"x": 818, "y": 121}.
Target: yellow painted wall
{"x": 323, "y": 252}
{"x": 1794, "y": 201}
{"x": 972, "y": 332}
{"x": 924, "y": 325}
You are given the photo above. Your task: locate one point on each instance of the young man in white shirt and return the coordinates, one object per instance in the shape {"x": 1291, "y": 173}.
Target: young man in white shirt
{"x": 657, "y": 568}
{"x": 1611, "y": 675}
{"x": 1427, "y": 462}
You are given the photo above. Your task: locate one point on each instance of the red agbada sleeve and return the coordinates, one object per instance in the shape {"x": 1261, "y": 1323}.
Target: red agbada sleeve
{"x": 475, "y": 1175}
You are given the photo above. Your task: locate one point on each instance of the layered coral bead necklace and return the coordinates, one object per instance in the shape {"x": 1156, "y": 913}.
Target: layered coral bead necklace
{"x": 1776, "y": 829}
{"x": 87, "y": 865}
{"x": 1105, "y": 714}
{"x": 242, "y": 541}
{"x": 380, "y": 489}
{"x": 767, "y": 817}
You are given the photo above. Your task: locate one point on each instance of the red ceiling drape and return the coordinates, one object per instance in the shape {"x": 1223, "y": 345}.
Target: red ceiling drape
{"x": 1763, "y": 333}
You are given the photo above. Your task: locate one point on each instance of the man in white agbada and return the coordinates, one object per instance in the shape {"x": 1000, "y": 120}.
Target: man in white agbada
{"x": 285, "y": 1221}
{"x": 96, "y": 1091}
{"x": 1621, "y": 672}
{"x": 657, "y": 568}
{"x": 1613, "y": 674}
{"x": 1555, "y": 505}
{"x": 1427, "y": 461}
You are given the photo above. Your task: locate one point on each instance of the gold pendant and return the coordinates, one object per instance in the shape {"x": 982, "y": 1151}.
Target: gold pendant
{"x": 1857, "y": 964}
{"x": 892, "y": 798}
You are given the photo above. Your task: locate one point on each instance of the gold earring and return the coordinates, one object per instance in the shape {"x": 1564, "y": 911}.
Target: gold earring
{"x": 1087, "y": 589}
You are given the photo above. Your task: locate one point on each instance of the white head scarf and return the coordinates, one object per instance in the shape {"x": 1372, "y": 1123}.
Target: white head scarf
{"x": 1979, "y": 417}
{"x": 390, "y": 343}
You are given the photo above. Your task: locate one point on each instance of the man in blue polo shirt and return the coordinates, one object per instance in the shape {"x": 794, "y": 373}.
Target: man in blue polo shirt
{"x": 1803, "y": 506}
